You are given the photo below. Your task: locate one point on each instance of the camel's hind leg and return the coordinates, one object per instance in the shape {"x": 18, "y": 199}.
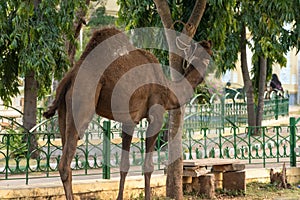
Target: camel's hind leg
{"x": 127, "y": 132}
{"x": 156, "y": 120}
{"x": 69, "y": 139}
{"x": 62, "y": 121}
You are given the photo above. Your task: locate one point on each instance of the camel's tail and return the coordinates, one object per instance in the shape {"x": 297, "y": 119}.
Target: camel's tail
{"x": 60, "y": 94}
{"x": 51, "y": 111}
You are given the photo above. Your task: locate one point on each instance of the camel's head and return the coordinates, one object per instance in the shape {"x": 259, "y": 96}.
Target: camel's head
{"x": 197, "y": 55}
{"x": 194, "y": 51}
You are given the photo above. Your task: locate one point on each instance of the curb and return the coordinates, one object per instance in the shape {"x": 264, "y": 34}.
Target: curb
{"x": 108, "y": 189}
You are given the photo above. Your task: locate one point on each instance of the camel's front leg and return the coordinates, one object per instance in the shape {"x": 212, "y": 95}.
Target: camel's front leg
{"x": 155, "y": 123}
{"x": 127, "y": 132}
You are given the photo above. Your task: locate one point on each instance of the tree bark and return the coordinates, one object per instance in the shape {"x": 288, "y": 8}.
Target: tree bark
{"x": 30, "y": 108}
{"x": 30, "y": 105}
{"x": 279, "y": 178}
{"x": 175, "y": 168}
{"x": 247, "y": 81}
{"x": 261, "y": 89}
{"x": 78, "y": 23}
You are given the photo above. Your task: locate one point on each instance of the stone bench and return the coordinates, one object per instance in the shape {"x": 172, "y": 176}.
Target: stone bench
{"x": 224, "y": 174}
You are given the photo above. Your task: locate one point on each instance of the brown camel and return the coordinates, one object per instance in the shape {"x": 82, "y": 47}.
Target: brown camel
{"x": 126, "y": 84}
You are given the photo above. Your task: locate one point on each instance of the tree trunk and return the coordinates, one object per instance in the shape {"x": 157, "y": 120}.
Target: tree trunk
{"x": 261, "y": 89}
{"x": 175, "y": 168}
{"x": 30, "y": 109}
{"x": 279, "y": 178}
{"x": 30, "y": 105}
{"x": 247, "y": 81}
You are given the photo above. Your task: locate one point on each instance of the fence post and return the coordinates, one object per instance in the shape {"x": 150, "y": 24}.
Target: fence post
{"x": 276, "y": 107}
{"x": 234, "y": 142}
{"x": 28, "y": 154}
{"x": 292, "y": 141}
{"x": 106, "y": 150}
{"x": 223, "y": 111}
{"x": 7, "y": 157}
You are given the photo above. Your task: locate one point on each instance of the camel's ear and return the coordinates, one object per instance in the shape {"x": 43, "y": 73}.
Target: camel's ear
{"x": 206, "y": 44}
{"x": 210, "y": 43}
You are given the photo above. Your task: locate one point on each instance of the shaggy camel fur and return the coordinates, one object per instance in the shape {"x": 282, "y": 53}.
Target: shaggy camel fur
{"x": 132, "y": 87}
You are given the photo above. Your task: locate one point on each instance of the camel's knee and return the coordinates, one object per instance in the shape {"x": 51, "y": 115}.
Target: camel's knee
{"x": 64, "y": 171}
{"x": 148, "y": 167}
{"x": 125, "y": 163}
{"x": 124, "y": 168}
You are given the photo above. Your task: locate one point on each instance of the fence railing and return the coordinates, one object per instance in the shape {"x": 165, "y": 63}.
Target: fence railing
{"x": 100, "y": 149}
{"x": 210, "y": 130}
{"x": 232, "y": 111}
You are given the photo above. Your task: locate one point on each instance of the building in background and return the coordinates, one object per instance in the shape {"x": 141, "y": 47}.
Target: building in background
{"x": 112, "y": 7}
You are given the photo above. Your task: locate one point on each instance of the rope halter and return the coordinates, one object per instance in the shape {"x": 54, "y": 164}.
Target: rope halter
{"x": 189, "y": 52}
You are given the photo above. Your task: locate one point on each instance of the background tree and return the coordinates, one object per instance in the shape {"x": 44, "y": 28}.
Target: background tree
{"x": 269, "y": 41}
{"x": 32, "y": 46}
{"x": 272, "y": 41}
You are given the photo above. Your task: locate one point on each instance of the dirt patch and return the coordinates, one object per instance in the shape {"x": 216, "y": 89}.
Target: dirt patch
{"x": 257, "y": 191}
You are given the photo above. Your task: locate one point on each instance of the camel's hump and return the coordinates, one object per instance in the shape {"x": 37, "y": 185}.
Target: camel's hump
{"x": 100, "y": 36}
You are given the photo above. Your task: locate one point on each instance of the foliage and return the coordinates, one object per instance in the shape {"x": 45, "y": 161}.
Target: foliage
{"x": 99, "y": 18}
{"x": 136, "y": 14}
{"x": 265, "y": 28}
{"x": 203, "y": 94}
{"x": 222, "y": 22}
{"x": 214, "y": 24}
{"x": 269, "y": 34}
{"x": 207, "y": 90}
{"x": 33, "y": 39}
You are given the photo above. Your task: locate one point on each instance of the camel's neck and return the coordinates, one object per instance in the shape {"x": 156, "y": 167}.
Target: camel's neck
{"x": 182, "y": 91}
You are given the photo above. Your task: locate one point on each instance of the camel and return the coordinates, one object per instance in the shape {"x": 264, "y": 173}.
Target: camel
{"x": 130, "y": 87}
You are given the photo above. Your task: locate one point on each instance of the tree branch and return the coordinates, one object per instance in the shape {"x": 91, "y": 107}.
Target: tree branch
{"x": 79, "y": 21}
{"x": 195, "y": 18}
{"x": 189, "y": 30}
{"x": 164, "y": 13}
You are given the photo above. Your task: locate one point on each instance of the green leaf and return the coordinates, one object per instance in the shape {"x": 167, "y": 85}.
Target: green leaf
{"x": 13, "y": 45}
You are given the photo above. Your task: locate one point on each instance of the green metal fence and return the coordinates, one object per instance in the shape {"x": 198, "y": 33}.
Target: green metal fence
{"x": 211, "y": 130}
{"x": 232, "y": 111}
{"x": 100, "y": 149}
{"x": 270, "y": 145}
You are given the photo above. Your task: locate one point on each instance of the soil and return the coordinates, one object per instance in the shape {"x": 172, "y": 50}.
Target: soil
{"x": 258, "y": 191}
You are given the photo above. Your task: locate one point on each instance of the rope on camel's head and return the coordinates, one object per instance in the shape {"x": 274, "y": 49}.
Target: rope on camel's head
{"x": 188, "y": 49}
{"x": 189, "y": 52}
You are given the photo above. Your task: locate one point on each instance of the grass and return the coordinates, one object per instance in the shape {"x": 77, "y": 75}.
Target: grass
{"x": 254, "y": 191}
{"x": 269, "y": 191}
